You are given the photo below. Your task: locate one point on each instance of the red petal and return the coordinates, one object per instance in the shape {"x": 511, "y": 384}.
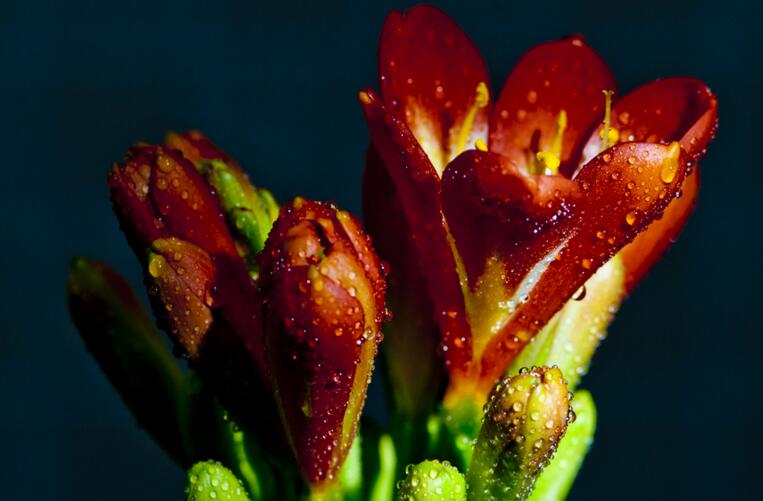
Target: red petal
{"x": 429, "y": 73}
{"x": 418, "y": 188}
{"x": 186, "y": 204}
{"x": 410, "y": 337}
{"x": 129, "y": 185}
{"x": 641, "y": 254}
{"x": 623, "y": 190}
{"x": 195, "y": 146}
{"x": 563, "y": 75}
{"x": 492, "y": 206}
{"x": 673, "y": 109}
{"x": 184, "y": 276}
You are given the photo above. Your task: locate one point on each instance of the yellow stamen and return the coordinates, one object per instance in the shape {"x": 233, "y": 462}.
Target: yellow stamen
{"x": 609, "y": 135}
{"x": 480, "y": 144}
{"x": 481, "y": 99}
{"x": 549, "y": 161}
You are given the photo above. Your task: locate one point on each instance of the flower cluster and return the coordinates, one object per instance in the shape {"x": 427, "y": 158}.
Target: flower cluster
{"x": 513, "y": 228}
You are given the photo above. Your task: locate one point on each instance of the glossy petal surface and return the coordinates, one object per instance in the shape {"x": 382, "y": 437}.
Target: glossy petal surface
{"x": 418, "y": 189}
{"x": 562, "y": 75}
{"x": 672, "y": 109}
{"x": 540, "y": 266}
{"x": 429, "y": 73}
{"x": 325, "y": 297}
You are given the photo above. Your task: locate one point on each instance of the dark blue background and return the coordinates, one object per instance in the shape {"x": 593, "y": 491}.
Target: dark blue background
{"x": 275, "y": 85}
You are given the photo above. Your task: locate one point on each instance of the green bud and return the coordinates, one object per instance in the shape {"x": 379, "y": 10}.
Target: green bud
{"x": 122, "y": 338}
{"x": 571, "y": 337}
{"x": 556, "y": 479}
{"x": 211, "y": 481}
{"x": 250, "y": 211}
{"x": 432, "y": 481}
{"x": 525, "y": 418}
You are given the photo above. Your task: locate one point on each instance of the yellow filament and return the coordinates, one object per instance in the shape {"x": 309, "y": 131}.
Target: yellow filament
{"x": 549, "y": 161}
{"x": 481, "y": 99}
{"x": 609, "y": 135}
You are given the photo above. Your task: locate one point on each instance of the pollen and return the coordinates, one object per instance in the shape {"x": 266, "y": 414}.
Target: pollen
{"x": 480, "y": 144}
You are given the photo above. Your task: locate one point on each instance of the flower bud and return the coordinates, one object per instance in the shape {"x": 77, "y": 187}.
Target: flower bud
{"x": 324, "y": 296}
{"x": 211, "y": 481}
{"x": 432, "y": 481}
{"x": 201, "y": 292}
{"x": 525, "y": 418}
{"x": 157, "y": 193}
{"x": 250, "y": 211}
{"x": 556, "y": 479}
{"x": 120, "y": 335}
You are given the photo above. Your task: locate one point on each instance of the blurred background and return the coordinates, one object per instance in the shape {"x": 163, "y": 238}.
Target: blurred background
{"x": 274, "y": 84}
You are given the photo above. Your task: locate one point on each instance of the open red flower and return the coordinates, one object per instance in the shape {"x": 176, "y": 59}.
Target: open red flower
{"x": 512, "y": 206}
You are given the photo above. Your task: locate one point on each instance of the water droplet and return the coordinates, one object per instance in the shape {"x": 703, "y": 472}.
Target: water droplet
{"x": 630, "y": 217}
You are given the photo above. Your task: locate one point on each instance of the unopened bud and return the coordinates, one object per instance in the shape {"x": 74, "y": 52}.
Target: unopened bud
{"x": 211, "y": 481}
{"x": 525, "y": 418}
{"x": 324, "y": 295}
{"x": 432, "y": 481}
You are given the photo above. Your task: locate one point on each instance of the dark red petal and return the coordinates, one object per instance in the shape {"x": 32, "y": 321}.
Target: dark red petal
{"x": 195, "y": 146}
{"x": 183, "y": 276}
{"x": 418, "y": 188}
{"x": 139, "y": 220}
{"x": 410, "y": 337}
{"x": 563, "y": 75}
{"x": 673, "y": 109}
{"x": 493, "y": 206}
{"x": 622, "y": 191}
{"x": 641, "y": 254}
{"x": 429, "y": 72}
{"x": 186, "y": 204}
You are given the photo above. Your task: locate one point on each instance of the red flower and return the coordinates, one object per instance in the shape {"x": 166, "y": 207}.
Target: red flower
{"x": 512, "y": 206}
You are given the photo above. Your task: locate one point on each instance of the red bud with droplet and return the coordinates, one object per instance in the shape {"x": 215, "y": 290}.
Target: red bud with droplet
{"x": 324, "y": 296}
{"x": 201, "y": 291}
